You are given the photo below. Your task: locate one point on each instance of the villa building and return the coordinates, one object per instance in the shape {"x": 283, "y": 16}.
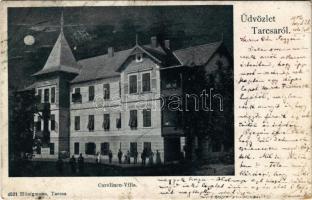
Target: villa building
{"x": 117, "y": 100}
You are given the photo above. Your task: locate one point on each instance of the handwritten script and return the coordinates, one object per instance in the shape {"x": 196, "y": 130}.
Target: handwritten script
{"x": 272, "y": 122}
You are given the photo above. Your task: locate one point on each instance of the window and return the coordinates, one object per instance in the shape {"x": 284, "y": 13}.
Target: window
{"x": 139, "y": 57}
{"x": 146, "y": 81}
{"x": 91, "y": 123}
{"x": 77, "y": 90}
{"x": 133, "y": 121}
{"x": 90, "y": 148}
{"x": 46, "y": 95}
{"x": 51, "y": 148}
{"x": 38, "y": 124}
{"x": 39, "y": 95}
{"x": 171, "y": 80}
{"x": 148, "y": 147}
{"x": 91, "y": 93}
{"x": 146, "y": 118}
{"x": 53, "y": 95}
{"x": 105, "y": 148}
{"x": 119, "y": 89}
{"x": 118, "y": 121}
{"x": 171, "y": 84}
{"x": 106, "y": 91}
{"x": 77, "y": 123}
{"x": 133, "y": 148}
{"x": 76, "y": 148}
{"x": 171, "y": 118}
{"x": 133, "y": 84}
{"x": 106, "y": 122}
{"x": 52, "y": 122}
{"x": 76, "y": 97}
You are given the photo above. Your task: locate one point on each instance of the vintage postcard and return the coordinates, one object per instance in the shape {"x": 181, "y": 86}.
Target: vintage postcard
{"x": 155, "y": 100}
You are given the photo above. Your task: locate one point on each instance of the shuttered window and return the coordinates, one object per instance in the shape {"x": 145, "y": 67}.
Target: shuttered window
{"x": 106, "y": 122}
{"x": 146, "y": 118}
{"x": 133, "y": 120}
{"x": 52, "y": 122}
{"x": 38, "y": 124}
{"x": 91, "y": 93}
{"x": 119, "y": 89}
{"x": 133, "y": 84}
{"x": 146, "y": 82}
{"x": 118, "y": 121}
{"x": 40, "y": 95}
{"x": 46, "y": 95}
{"x": 91, "y": 123}
{"x": 53, "y": 95}
{"x": 77, "y": 123}
{"x": 106, "y": 91}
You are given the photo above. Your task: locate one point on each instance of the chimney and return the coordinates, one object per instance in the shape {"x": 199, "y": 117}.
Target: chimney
{"x": 110, "y": 51}
{"x": 154, "y": 42}
{"x": 167, "y": 44}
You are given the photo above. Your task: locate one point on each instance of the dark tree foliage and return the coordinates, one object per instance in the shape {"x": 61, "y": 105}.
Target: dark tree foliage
{"x": 215, "y": 124}
{"x": 21, "y": 123}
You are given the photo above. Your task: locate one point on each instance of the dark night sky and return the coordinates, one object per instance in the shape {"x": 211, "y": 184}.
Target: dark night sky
{"x": 91, "y": 30}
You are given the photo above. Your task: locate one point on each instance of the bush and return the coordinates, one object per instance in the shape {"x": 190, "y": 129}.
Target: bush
{"x": 64, "y": 154}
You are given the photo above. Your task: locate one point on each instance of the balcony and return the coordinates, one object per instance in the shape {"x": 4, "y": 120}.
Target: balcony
{"x": 43, "y": 107}
{"x": 172, "y": 131}
{"x": 171, "y": 82}
{"x": 171, "y": 92}
{"x": 172, "y": 123}
{"x": 76, "y": 98}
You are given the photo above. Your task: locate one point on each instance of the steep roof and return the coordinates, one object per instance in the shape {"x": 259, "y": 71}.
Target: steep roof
{"x": 197, "y": 55}
{"x": 162, "y": 54}
{"x": 103, "y": 66}
{"x": 61, "y": 58}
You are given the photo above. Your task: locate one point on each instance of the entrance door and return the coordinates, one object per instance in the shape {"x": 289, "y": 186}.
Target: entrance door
{"x": 133, "y": 148}
{"x": 148, "y": 147}
{"x": 172, "y": 149}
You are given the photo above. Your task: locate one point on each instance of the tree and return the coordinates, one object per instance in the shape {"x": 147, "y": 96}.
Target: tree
{"x": 21, "y": 123}
{"x": 194, "y": 125}
{"x": 215, "y": 124}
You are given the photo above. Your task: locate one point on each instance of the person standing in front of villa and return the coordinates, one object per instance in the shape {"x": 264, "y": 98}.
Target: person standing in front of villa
{"x": 151, "y": 158}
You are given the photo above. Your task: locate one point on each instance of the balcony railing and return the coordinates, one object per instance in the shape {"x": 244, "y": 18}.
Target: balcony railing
{"x": 43, "y": 107}
{"x": 172, "y": 131}
{"x": 76, "y": 98}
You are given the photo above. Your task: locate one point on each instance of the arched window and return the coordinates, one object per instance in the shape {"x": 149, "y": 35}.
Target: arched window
{"x": 139, "y": 57}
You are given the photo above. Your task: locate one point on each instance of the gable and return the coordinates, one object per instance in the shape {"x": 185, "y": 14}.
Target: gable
{"x": 132, "y": 58}
{"x": 132, "y": 66}
{"x": 221, "y": 58}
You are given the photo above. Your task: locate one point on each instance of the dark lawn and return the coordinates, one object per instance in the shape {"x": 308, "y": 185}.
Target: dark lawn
{"x": 26, "y": 168}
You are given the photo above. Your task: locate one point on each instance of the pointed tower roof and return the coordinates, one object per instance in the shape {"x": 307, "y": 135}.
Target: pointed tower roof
{"x": 61, "y": 58}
